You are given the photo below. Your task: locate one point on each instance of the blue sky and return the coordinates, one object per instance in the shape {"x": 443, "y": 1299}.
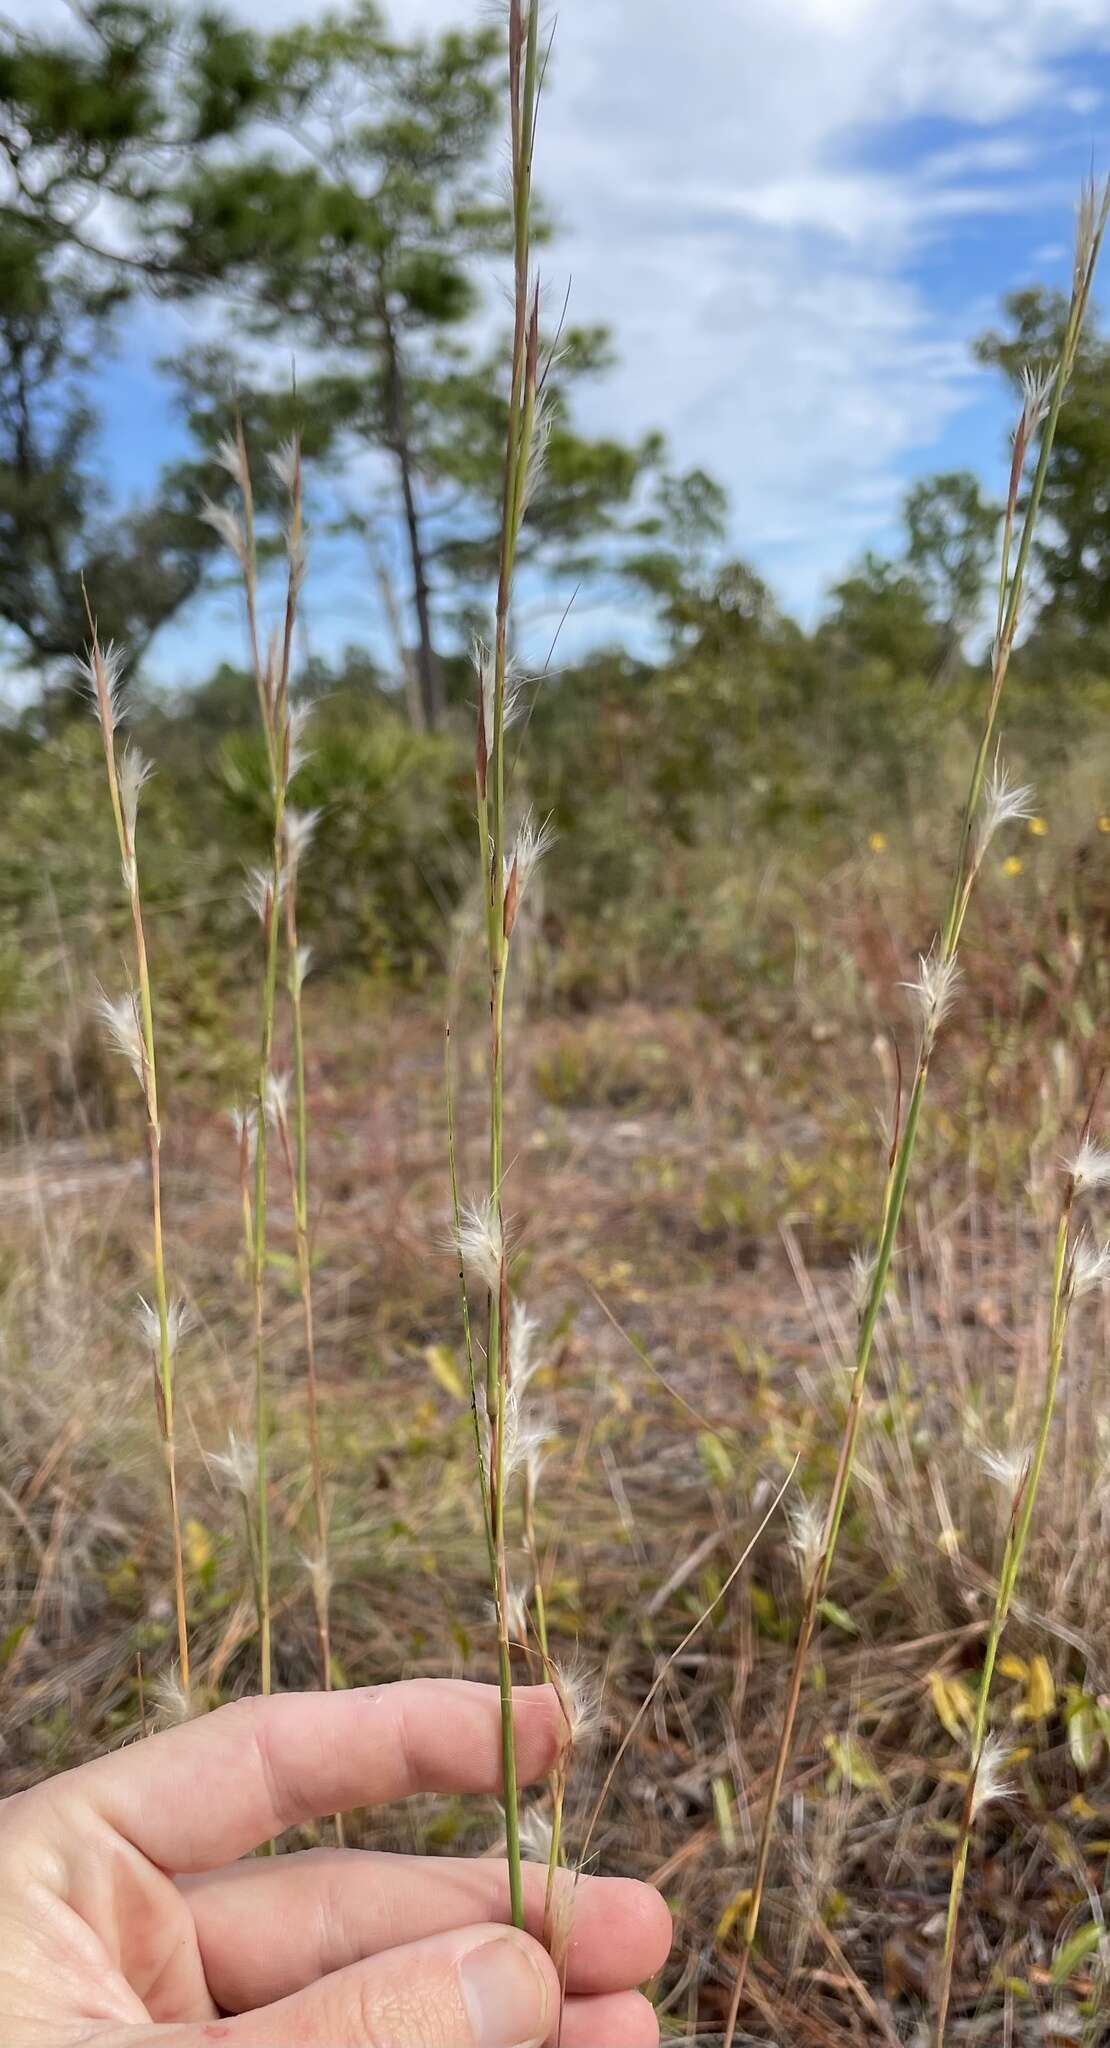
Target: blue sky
{"x": 794, "y": 215}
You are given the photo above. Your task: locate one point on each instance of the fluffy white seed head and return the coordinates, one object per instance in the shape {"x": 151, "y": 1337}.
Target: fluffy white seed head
{"x": 861, "y": 1278}
{"x": 237, "y": 1466}
{"x": 933, "y": 992}
{"x": 299, "y": 967}
{"x": 481, "y": 656}
{"x": 297, "y": 752}
{"x": 101, "y": 670}
{"x": 537, "y": 453}
{"x": 319, "y": 1577}
{"x": 479, "y": 1240}
{"x": 1086, "y": 227}
{"x": 1090, "y": 1266}
{"x": 516, "y": 676}
{"x": 1089, "y": 1167}
{"x": 120, "y": 1018}
{"x": 178, "y": 1320}
{"x": 560, "y": 1920}
{"x": 224, "y": 523}
{"x": 171, "y": 1699}
{"x": 229, "y": 455}
{"x": 134, "y": 773}
{"x": 524, "y": 1438}
{"x": 805, "y": 1534}
{"x": 990, "y": 1778}
{"x": 300, "y": 828}
{"x": 277, "y": 1099}
{"x": 1006, "y": 1467}
{"x": 579, "y": 1694}
{"x": 150, "y": 1329}
{"x": 244, "y": 1122}
{"x": 1036, "y": 392}
{"x": 285, "y": 463}
{"x": 536, "y": 1835}
{"x": 516, "y": 1614}
{"x": 1004, "y": 803}
{"x": 259, "y": 888}
{"x": 532, "y": 842}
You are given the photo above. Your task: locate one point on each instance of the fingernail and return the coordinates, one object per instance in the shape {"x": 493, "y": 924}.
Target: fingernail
{"x": 506, "y": 1995}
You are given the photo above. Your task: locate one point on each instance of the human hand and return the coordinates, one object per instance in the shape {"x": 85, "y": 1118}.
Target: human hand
{"x": 126, "y": 1922}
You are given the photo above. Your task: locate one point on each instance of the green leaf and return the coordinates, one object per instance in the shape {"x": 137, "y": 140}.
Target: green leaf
{"x": 1076, "y": 1949}
{"x": 444, "y": 1371}
{"x": 851, "y": 1761}
{"x": 716, "y": 1459}
{"x": 1084, "y": 1735}
{"x": 199, "y": 1550}
{"x": 952, "y": 1704}
{"x": 839, "y": 1617}
{"x": 722, "y": 1810}
{"x": 765, "y": 1613}
{"x": 9, "y": 1644}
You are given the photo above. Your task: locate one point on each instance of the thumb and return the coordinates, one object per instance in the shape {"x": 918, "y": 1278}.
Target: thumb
{"x": 478, "y": 1987}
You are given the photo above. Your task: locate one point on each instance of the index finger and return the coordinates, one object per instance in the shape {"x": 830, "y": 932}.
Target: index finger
{"x": 202, "y": 1795}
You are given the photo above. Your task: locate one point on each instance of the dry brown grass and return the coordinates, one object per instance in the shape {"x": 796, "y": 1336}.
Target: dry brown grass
{"x": 641, "y": 1134}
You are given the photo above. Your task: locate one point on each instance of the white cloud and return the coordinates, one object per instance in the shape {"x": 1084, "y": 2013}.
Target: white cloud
{"x": 717, "y": 209}
{"x": 733, "y": 201}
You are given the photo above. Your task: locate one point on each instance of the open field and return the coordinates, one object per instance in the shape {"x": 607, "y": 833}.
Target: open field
{"x": 689, "y": 1187}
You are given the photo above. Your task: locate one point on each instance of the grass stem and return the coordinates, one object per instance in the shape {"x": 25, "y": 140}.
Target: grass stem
{"x": 125, "y": 782}
{"x": 1062, "y": 1294}
{"x": 272, "y": 684}
{"x": 500, "y": 885}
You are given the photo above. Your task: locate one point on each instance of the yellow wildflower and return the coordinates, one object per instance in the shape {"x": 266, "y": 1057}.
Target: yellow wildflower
{"x": 877, "y": 841}
{"x": 1013, "y": 864}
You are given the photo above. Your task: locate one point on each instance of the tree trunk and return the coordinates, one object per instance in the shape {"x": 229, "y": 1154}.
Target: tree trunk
{"x": 402, "y": 652}
{"x": 429, "y": 673}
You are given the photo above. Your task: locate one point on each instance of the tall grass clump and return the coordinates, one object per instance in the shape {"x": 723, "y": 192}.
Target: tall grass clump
{"x": 991, "y": 802}
{"x": 281, "y": 727}
{"x": 129, "y": 1020}
{"x": 1079, "y": 1265}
